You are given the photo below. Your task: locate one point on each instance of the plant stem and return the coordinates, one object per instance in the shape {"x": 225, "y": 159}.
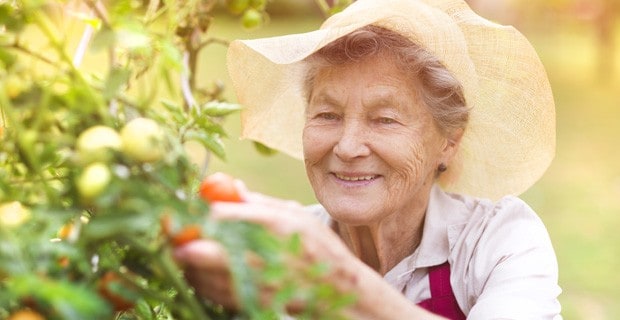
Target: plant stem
{"x": 188, "y": 79}
{"x": 211, "y": 41}
{"x": 162, "y": 259}
{"x": 171, "y": 272}
{"x": 324, "y": 6}
{"x": 27, "y": 51}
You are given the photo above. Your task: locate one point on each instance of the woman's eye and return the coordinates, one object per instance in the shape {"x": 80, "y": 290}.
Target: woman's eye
{"x": 327, "y": 116}
{"x": 386, "y": 120}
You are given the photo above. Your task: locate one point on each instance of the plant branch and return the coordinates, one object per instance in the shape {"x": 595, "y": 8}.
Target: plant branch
{"x": 184, "y": 292}
{"x": 187, "y": 76}
{"x": 212, "y": 41}
{"x": 324, "y": 6}
{"x": 19, "y": 47}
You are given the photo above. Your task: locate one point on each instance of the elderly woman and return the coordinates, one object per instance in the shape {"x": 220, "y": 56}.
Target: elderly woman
{"x": 418, "y": 119}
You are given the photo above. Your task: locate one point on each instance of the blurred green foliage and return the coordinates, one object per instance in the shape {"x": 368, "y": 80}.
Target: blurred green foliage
{"x": 97, "y": 103}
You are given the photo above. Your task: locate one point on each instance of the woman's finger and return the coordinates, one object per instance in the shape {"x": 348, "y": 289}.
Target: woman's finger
{"x": 204, "y": 254}
{"x": 259, "y": 198}
{"x": 278, "y": 219}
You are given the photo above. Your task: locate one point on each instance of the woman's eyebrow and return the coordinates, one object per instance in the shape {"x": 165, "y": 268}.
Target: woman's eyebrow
{"x": 325, "y": 98}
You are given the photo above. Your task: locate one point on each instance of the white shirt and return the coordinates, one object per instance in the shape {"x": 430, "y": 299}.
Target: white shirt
{"x": 502, "y": 263}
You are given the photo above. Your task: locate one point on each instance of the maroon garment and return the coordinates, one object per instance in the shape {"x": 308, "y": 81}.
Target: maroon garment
{"x": 442, "y": 300}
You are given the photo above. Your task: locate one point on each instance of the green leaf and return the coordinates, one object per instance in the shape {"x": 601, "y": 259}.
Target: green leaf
{"x": 103, "y": 40}
{"x": 263, "y": 149}
{"x": 143, "y": 311}
{"x": 115, "y": 81}
{"x": 219, "y": 109}
{"x": 106, "y": 225}
{"x": 132, "y": 38}
{"x": 7, "y": 59}
{"x": 213, "y": 142}
{"x": 171, "y": 56}
{"x": 72, "y": 301}
{"x": 10, "y": 18}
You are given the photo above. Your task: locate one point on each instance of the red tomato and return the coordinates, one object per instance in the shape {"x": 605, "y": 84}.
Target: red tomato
{"x": 219, "y": 187}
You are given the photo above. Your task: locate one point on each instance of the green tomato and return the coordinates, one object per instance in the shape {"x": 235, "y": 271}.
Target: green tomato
{"x": 95, "y": 144}
{"x": 93, "y": 181}
{"x": 258, "y": 4}
{"x": 237, "y": 6}
{"x": 13, "y": 86}
{"x": 13, "y": 214}
{"x": 251, "y": 18}
{"x": 143, "y": 140}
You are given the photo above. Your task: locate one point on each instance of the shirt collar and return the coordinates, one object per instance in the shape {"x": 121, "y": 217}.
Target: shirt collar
{"x": 446, "y": 216}
{"x": 445, "y": 219}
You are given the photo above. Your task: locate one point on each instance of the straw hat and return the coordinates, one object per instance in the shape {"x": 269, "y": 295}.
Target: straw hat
{"x": 510, "y": 138}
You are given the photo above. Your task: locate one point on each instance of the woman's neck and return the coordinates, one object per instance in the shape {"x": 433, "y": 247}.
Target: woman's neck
{"x": 383, "y": 245}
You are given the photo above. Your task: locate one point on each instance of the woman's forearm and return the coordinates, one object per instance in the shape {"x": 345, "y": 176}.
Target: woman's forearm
{"x": 376, "y": 299}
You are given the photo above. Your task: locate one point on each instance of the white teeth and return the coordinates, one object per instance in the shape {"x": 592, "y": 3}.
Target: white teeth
{"x": 364, "y": 178}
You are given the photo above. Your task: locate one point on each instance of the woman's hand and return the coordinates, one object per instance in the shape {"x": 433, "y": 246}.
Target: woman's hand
{"x": 207, "y": 267}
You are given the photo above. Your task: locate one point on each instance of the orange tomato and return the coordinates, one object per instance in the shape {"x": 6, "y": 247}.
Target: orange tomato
{"x": 64, "y": 261}
{"x": 187, "y": 234}
{"x": 219, "y": 187}
{"x": 26, "y": 314}
{"x": 65, "y": 231}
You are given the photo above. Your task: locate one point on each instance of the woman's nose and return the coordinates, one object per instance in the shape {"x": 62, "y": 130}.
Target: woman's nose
{"x": 353, "y": 142}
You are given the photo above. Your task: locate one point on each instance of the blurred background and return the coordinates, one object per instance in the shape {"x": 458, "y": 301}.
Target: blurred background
{"x": 579, "y": 196}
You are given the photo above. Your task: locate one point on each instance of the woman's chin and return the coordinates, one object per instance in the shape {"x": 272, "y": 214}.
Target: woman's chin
{"x": 353, "y": 215}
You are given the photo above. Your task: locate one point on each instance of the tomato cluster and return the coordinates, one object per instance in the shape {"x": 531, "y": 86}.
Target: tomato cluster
{"x": 140, "y": 140}
{"x": 252, "y": 11}
{"x": 217, "y": 187}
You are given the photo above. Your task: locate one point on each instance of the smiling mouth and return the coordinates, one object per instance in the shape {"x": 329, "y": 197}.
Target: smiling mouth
{"x": 355, "y": 178}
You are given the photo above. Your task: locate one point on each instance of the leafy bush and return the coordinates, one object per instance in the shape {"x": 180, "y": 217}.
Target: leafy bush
{"x": 95, "y": 174}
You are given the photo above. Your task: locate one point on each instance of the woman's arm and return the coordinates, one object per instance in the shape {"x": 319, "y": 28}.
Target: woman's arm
{"x": 206, "y": 264}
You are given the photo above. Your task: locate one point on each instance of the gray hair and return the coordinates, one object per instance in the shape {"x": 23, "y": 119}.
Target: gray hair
{"x": 440, "y": 91}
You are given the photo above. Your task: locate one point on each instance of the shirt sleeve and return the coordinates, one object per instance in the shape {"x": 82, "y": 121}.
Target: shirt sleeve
{"x": 513, "y": 265}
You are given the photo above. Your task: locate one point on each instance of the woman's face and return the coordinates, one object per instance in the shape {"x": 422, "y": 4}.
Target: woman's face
{"x": 371, "y": 148}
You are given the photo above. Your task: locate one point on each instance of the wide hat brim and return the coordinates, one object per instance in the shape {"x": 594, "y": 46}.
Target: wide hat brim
{"x": 510, "y": 139}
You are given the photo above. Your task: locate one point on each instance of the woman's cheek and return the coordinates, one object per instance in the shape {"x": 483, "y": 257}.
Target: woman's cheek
{"x": 407, "y": 164}
{"x": 316, "y": 142}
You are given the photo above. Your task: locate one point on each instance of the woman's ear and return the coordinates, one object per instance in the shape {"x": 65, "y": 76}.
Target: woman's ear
{"x": 451, "y": 146}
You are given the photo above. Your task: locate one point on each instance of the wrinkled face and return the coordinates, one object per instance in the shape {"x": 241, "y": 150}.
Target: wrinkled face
{"x": 371, "y": 147}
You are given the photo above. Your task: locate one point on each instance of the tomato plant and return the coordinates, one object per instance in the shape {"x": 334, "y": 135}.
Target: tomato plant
{"x": 96, "y": 186}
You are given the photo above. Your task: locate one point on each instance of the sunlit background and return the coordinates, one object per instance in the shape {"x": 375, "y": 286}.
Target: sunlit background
{"x": 579, "y": 196}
